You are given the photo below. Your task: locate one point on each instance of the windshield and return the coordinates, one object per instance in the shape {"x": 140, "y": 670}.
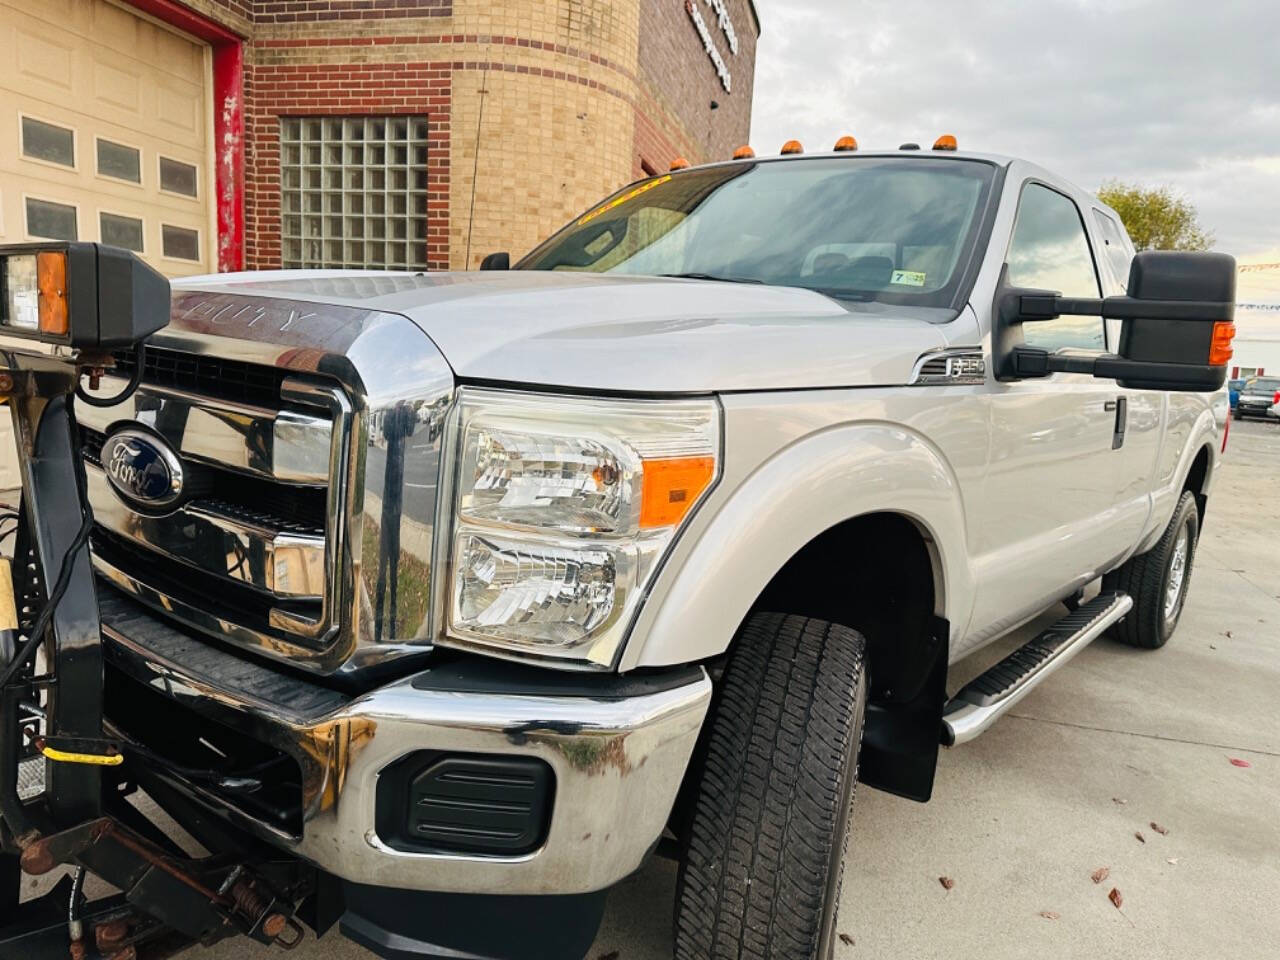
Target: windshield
{"x": 1263, "y": 385}
{"x": 895, "y": 230}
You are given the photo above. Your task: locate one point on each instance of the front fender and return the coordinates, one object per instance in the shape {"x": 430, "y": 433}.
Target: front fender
{"x": 749, "y": 531}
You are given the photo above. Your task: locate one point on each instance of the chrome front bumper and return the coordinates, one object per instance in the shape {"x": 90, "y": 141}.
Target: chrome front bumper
{"x": 618, "y": 761}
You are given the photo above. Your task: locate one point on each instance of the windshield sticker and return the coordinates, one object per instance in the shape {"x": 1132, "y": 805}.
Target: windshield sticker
{"x": 643, "y": 188}
{"x": 908, "y": 278}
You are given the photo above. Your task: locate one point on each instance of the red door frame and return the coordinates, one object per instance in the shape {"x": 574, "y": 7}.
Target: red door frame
{"x": 228, "y": 120}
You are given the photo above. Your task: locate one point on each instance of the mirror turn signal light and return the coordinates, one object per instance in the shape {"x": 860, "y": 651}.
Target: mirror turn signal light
{"x": 671, "y": 487}
{"x": 792, "y": 146}
{"x": 1220, "y": 351}
{"x": 945, "y": 142}
{"x": 679, "y": 163}
{"x": 846, "y": 143}
{"x": 51, "y": 281}
{"x": 744, "y": 152}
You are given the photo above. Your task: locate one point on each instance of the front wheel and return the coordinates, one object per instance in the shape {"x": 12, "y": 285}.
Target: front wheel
{"x": 761, "y": 871}
{"x": 1158, "y": 580}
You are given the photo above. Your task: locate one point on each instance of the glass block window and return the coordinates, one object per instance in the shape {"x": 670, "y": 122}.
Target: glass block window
{"x": 48, "y": 142}
{"x": 120, "y": 231}
{"x": 57, "y": 221}
{"x": 353, "y": 192}
{"x": 119, "y": 161}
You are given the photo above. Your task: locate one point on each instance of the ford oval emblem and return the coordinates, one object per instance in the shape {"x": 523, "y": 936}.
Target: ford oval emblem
{"x": 142, "y": 468}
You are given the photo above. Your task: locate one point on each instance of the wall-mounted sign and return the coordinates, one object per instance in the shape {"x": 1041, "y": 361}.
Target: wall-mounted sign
{"x": 708, "y": 41}
{"x": 722, "y": 17}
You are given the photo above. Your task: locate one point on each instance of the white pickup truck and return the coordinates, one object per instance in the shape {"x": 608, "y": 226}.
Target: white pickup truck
{"x": 471, "y": 591}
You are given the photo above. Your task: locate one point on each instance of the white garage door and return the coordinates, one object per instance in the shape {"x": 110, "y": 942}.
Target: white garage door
{"x": 105, "y": 127}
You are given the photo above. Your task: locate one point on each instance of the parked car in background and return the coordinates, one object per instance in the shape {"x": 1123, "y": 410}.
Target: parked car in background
{"x": 1234, "y": 387}
{"x": 1258, "y": 398}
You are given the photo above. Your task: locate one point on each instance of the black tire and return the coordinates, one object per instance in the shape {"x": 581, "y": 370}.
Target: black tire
{"x": 1147, "y": 576}
{"x": 764, "y": 856}
{"x": 1237, "y": 415}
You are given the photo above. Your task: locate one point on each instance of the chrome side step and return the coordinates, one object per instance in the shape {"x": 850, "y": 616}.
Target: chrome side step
{"x": 981, "y": 702}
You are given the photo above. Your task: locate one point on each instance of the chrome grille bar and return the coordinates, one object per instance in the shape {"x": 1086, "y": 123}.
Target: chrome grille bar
{"x": 282, "y": 445}
{"x": 269, "y": 559}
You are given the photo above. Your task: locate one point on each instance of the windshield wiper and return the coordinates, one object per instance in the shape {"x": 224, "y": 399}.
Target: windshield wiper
{"x": 709, "y": 276}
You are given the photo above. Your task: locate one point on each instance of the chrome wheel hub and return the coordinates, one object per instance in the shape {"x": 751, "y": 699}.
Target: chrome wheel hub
{"x": 1177, "y": 574}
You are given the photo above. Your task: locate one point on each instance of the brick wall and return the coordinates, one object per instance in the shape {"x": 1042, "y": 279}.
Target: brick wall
{"x": 537, "y": 108}
{"x": 679, "y": 83}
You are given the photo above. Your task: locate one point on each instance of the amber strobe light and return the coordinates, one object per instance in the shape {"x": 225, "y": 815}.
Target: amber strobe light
{"x": 945, "y": 142}
{"x": 744, "y": 152}
{"x": 792, "y": 146}
{"x": 846, "y": 143}
{"x": 679, "y": 163}
{"x": 1220, "y": 350}
{"x": 51, "y": 280}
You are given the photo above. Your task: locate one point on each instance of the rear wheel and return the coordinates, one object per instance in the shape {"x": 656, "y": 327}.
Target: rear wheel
{"x": 760, "y": 877}
{"x": 1158, "y": 580}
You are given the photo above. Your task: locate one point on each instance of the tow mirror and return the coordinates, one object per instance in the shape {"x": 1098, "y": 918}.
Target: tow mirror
{"x": 496, "y": 261}
{"x": 1177, "y": 325}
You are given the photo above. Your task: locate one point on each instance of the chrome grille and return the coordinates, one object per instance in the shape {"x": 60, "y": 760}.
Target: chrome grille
{"x": 308, "y": 438}
{"x": 254, "y": 538}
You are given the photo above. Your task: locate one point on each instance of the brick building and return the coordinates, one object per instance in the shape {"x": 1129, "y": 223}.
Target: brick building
{"x": 228, "y": 134}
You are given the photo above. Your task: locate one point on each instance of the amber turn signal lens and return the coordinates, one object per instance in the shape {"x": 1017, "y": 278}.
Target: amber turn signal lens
{"x": 792, "y": 146}
{"x": 945, "y": 142}
{"x": 679, "y": 163}
{"x": 672, "y": 487}
{"x": 744, "y": 152}
{"x": 846, "y": 143}
{"x": 1220, "y": 350}
{"x": 51, "y": 280}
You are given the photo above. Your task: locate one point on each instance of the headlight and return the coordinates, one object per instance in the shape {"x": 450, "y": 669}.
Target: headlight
{"x": 562, "y": 511}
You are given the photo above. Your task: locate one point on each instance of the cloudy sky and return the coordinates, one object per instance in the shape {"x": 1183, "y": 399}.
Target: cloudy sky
{"x": 1177, "y": 92}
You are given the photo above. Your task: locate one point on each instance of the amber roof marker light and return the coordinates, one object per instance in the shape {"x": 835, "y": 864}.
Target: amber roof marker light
{"x": 846, "y": 144}
{"x": 792, "y": 147}
{"x": 744, "y": 152}
{"x": 679, "y": 163}
{"x": 945, "y": 142}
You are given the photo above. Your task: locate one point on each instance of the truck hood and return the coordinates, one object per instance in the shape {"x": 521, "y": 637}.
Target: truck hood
{"x": 621, "y": 333}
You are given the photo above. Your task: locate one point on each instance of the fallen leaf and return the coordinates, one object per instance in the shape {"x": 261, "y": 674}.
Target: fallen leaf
{"x": 1212, "y": 647}
{"x": 1237, "y": 762}
{"x": 1173, "y": 861}
{"x": 846, "y": 939}
{"x": 1140, "y": 837}
{"x": 1163, "y": 831}
{"x": 1100, "y": 874}
{"x": 1115, "y": 897}
{"x": 1119, "y": 801}
{"x": 1228, "y": 634}
{"x": 947, "y": 883}
{"x": 1050, "y": 914}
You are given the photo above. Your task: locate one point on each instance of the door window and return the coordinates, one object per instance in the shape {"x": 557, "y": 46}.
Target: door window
{"x": 1050, "y": 251}
{"x": 1118, "y": 251}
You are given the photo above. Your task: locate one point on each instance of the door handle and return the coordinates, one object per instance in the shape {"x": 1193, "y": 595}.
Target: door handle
{"x": 1110, "y": 405}
{"x": 1121, "y": 407}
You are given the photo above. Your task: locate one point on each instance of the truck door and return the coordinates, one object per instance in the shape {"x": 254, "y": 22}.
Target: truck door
{"x": 1049, "y": 502}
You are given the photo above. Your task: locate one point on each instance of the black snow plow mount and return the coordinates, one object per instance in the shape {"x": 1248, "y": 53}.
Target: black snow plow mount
{"x": 66, "y": 783}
